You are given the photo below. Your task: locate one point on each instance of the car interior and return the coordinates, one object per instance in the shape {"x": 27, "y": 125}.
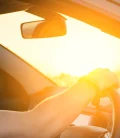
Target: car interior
{"x": 22, "y": 86}
{"x": 15, "y": 93}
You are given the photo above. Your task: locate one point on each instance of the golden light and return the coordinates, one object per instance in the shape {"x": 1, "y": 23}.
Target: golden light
{"x": 83, "y": 49}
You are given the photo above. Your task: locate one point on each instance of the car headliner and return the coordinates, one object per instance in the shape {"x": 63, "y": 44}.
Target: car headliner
{"x": 7, "y": 6}
{"x": 103, "y": 14}
{"x": 110, "y": 6}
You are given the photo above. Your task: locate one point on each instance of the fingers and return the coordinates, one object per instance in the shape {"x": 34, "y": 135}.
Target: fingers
{"x": 104, "y": 78}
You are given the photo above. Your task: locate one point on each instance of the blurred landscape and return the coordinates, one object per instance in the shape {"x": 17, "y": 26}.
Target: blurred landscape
{"x": 67, "y": 80}
{"x": 64, "y": 80}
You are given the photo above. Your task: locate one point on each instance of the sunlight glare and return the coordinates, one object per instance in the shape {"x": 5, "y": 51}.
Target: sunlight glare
{"x": 81, "y": 50}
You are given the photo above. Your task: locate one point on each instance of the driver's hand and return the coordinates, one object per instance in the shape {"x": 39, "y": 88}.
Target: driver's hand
{"x": 104, "y": 79}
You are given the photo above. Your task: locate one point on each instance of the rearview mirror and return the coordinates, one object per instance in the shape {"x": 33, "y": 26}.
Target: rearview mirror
{"x": 43, "y": 28}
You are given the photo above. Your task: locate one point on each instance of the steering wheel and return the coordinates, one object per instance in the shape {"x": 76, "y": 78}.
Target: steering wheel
{"x": 89, "y": 130}
{"x": 115, "y": 99}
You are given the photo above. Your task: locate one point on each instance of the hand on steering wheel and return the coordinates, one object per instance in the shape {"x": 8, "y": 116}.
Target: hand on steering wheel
{"x": 107, "y": 81}
{"x": 104, "y": 79}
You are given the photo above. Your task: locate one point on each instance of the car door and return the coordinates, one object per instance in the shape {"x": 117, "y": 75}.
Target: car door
{"x": 18, "y": 81}
{"x": 12, "y": 94}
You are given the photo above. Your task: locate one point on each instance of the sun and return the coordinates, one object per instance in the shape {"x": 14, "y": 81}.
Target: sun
{"x": 86, "y": 48}
{"x": 83, "y": 49}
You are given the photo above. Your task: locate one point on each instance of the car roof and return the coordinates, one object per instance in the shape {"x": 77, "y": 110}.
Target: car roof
{"x": 107, "y": 12}
{"x": 8, "y": 6}
{"x": 109, "y": 7}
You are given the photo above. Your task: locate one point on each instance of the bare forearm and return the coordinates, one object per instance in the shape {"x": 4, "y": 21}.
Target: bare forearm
{"x": 56, "y": 113}
{"x": 50, "y": 117}
{"x": 13, "y": 124}
{"x": 53, "y": 115}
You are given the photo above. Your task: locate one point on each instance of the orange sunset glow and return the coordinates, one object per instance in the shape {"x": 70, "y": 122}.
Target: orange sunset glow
{"x": 82, "y": 49}
{"x": 57, "y": 63}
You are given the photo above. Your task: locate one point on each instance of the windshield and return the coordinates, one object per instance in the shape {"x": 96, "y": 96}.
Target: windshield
{"x": 63, "y": 59}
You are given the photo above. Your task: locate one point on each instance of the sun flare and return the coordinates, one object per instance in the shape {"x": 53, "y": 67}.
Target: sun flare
{"x": 81, "y": 50}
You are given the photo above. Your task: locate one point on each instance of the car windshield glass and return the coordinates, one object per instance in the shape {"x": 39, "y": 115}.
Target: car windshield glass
{"x": 63, "y": 59}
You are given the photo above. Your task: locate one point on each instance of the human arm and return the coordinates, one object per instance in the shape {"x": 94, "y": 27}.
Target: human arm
{"x": 59, "y": 111}
{"x": 53, "y": 115}
{"x": 50, "y": 117}
{"x": 13, "y": 124}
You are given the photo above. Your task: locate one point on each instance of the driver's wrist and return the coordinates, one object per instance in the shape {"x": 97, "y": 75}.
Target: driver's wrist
{"x": 96, "y": 87}
{"x": 90, "y": 82}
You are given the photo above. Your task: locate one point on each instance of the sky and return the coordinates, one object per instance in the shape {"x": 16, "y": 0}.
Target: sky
{"x": 81, "y": 50}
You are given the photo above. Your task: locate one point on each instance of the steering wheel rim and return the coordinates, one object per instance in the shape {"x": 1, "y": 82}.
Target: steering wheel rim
{"x": 115, "y": 99}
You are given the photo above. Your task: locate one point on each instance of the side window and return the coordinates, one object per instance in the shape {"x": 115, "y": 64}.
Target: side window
{"x": 12, "y": 94}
